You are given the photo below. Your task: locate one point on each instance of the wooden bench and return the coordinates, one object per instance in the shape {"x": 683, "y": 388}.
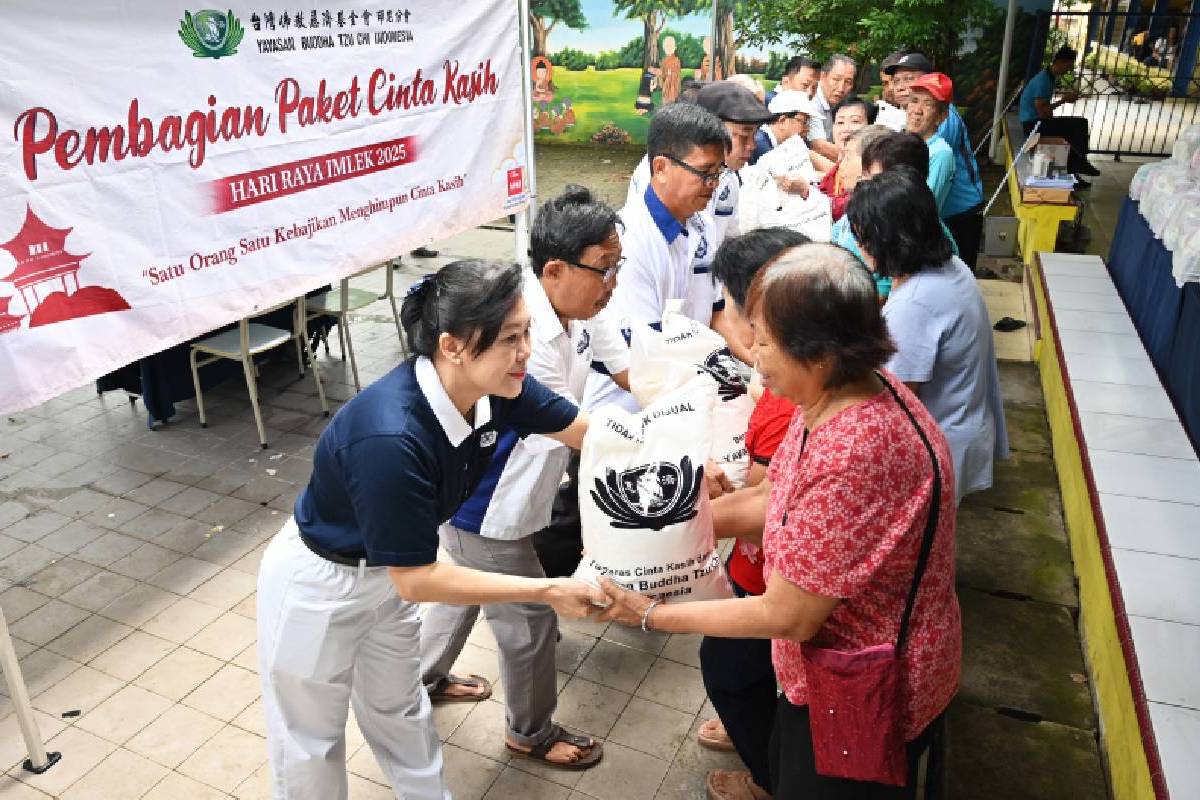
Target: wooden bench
{"x": 1037, "y": 221}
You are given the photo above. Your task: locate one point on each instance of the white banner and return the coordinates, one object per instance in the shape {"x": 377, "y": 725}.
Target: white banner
{"x": 167, "y": 169}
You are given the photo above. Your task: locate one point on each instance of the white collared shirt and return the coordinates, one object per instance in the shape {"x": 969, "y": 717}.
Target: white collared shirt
{"x": 453, "y": 423}
{"x": 523, "y": 494}
{"x": 821, "y": 127}
{"x": 722, "y": 207}
{"x": 891, "y": 116}
{"x": 665, "y": 261}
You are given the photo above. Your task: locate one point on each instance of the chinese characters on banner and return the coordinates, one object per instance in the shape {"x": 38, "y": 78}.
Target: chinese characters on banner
{"x": 164, "y": 172}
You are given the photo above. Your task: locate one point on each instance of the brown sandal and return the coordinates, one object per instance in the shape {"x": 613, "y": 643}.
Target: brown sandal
{"x": 593, "y": 750}
{"x": 438, "y": 693}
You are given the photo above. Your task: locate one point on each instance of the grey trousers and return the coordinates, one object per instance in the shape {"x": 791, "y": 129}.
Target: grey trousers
{"x": 526, "y": 634}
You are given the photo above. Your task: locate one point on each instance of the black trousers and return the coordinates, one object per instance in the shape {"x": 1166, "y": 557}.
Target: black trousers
{"x": 740, "y": 681}
{"x": 559, "y": 545}
{"x": 967, "y": 229}
{"x": 1074, "y": 130}
{"x": 794, "y": 772}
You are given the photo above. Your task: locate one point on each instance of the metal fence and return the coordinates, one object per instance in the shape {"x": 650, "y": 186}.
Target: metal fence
{"x": 1136, "y": 75}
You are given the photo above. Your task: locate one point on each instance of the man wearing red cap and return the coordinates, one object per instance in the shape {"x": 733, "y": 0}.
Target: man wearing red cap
{"x": 928, "y": 103}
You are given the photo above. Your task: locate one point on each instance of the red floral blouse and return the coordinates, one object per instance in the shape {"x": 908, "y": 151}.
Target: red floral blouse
{"x": 845, "y": 517}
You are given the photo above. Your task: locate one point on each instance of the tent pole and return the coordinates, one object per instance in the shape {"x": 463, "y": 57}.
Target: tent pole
{"x": 1002, "y": 80}
{"x": 524, "y": 218}
{"x": 39, "y": 760}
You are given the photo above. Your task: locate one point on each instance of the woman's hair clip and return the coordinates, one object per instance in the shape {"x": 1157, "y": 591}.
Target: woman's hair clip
{"x": 419, "y": 286}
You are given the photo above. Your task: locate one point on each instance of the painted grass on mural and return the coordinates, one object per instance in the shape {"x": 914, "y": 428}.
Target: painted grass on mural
{"x": 595, "y": 98}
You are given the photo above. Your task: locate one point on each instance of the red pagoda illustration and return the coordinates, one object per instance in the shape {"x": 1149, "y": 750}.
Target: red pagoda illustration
{"x": 46, "y": 278}
{"x": 8, "y": 321}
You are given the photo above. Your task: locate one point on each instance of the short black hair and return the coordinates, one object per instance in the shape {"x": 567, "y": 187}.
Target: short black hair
{"x": 1066, "y": 53}
{"x": 894, "y": 218}
{"x": 689, "y": 90}
{"x": 896, "y": 150}
{"x": 468, "y": 299}
{"x": 852, "y": 101}
{"x": 739, "y": 258}
{"x": 678, "y": 128}
{"x": 569, "y": 224}
{"x": 797, "y": 63}
{"x": 818, "y": 301}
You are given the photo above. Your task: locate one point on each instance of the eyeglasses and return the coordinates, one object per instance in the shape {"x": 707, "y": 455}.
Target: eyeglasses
{"x": 607, "y": 274}
{"x": 708, "y": 178}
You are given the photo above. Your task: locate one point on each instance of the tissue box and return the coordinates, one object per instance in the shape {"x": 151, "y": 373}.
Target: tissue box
{"x": 1055, "y": 148}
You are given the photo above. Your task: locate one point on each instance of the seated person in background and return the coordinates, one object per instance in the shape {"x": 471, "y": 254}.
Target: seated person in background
{"x": 792, "y": 111}
{"x": 737, "y": 673}
{"x": 880, "y": 154}
{"x": 890, "y": 110}
{"x": 800, "y": 74}
{"x": 937, "y": 319}
{"x": 928, "y": 104}
{"x": 576, "y": 254}
{"x": 852, "y": 114}
{"x": 837, "y": 80}
{"x": 1037, "y": 106}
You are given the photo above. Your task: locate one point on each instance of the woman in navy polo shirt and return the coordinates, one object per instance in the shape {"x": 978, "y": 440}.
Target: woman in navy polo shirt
{"x": 338, "y": 589}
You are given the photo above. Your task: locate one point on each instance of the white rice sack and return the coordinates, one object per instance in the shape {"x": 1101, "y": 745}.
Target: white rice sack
{"x": 642, "y": 499}
{"x": 662, "y": 361}
{"x": 1182, "y": 220}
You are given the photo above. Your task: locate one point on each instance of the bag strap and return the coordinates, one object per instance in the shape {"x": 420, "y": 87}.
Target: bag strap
{"x": 931, "y": 522}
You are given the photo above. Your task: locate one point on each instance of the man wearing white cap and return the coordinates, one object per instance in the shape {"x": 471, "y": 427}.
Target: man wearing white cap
{"x": 792, "y": 111}
{"x": 779, "y": 189}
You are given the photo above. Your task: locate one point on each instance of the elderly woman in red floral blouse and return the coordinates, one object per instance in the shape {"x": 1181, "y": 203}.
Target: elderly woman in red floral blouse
{"x": 842, "y": 517}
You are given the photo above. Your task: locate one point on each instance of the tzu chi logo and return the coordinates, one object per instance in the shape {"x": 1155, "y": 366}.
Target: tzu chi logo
{"x": 721, "y": 366}
{"x": 651, "y": 496}
{"x": 211, "y": 34}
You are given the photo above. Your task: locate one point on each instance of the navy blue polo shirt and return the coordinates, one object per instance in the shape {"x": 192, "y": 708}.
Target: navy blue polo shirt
{"x": 399, "y": 459}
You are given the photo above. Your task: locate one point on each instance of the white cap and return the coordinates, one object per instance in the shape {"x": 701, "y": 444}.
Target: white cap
{"x": 793, "y": 102}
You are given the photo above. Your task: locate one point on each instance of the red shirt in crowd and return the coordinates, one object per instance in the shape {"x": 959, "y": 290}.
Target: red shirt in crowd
{"x": 768, "y": 425}
{"x": 837, "y": 199}
{"x": 844, "y": 519}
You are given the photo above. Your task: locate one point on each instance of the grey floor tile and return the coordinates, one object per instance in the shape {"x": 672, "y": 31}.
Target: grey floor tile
{"x": 36, "y": 525}
{"x": 48, "y": 623}
{"x": 190, "y": 501}
{"x": 99, "y": 590}
{"x": 29, "y": 559}
{"x": 590, "y": 707}
{"x": 616, "y": 666}
{"x": 61, "y": 576}
{"x": 152, "y": 523}
{"x": 19, "y": 601}
{"x": 115, "y": 513}
{"x": 674, "y": 685}
{"x": 155, "y": 491}
{"x": 11, "y": 512}
{"x": 652, "y": 728}
{"x": 110, "y": 547}
{"x": 624, "y": 773}
{"x": 82, "y": 503}
{"x": 73, "y": 536}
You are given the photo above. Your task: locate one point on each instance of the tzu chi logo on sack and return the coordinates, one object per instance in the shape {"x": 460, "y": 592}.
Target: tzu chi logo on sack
{"x": 650, "y": 496}
{"x": 211, "y": 34}
{"x": 721, "y": 366}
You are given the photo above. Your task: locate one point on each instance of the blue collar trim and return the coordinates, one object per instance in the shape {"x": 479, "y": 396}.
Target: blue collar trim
{"x": 668, "y": 226}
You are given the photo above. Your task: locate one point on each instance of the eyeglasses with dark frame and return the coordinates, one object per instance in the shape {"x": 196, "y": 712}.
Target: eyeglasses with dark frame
{"x": 607, "y": 274}
{"x": 709, "y": 178}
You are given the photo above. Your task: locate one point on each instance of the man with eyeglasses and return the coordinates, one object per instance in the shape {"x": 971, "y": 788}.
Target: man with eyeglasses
{"x": 668, "y": 238}
{"x": 575, "y": 259}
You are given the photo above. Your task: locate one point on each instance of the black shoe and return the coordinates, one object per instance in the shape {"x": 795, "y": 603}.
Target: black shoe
{"x": 1008, "y": 325}
{"x": 424, "y": 252}
{"x": 1087, "y": 168}
{"x": 1080, "y": 183}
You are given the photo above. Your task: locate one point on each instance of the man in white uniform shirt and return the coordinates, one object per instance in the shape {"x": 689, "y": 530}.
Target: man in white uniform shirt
{"x": 576, "y": 255}
{"x": 742, "y": 113}
{"x": 667, "y": 240}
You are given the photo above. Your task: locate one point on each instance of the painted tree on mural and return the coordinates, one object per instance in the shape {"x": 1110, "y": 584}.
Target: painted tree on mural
{"x": 654, "y": 15}
{"x": 728, "y": 39}
{"x": 544, "y": 15}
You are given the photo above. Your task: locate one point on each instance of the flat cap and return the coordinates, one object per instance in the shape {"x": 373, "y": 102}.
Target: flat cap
{"x": 732, "y": 103}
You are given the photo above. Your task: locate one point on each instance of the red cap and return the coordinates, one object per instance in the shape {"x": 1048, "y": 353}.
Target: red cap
{"x": 937, "y": 84}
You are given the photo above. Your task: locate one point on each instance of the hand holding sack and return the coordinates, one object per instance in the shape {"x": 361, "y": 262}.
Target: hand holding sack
{"x": 642, "y": 501}
{"x": 663, "y": 361}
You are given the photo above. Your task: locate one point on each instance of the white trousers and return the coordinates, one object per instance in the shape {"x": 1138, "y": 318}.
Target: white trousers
{"x": 328, "y": 636}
